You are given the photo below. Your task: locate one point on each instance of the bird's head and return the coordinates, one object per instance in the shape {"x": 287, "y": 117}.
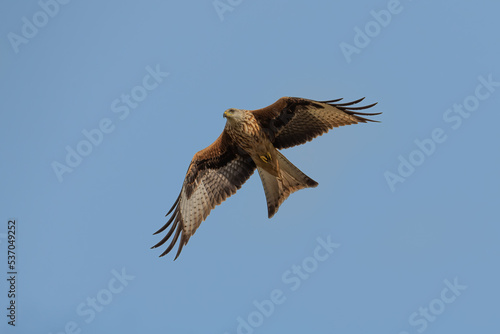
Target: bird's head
{"x": 233, "y": 114}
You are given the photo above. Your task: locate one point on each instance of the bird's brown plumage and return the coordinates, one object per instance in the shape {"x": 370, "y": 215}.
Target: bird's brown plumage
{"x": 292, "y": 121}
{"x": 217, "y": 171}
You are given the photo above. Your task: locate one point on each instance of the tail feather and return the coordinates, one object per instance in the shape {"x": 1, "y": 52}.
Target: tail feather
{"x": 277, "y": 189}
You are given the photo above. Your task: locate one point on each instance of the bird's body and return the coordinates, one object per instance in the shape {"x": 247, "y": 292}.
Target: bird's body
{"x": 279, "y": 177}
{"x": 247, "y": 134}
{"x": 251, "y": 140}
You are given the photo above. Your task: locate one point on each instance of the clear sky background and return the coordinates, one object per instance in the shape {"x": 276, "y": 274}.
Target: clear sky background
{"x": 410, "y": 204}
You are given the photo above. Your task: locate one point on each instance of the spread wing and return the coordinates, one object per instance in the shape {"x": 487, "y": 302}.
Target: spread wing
{"x": 215, "y": 173}
{"x": 292, "y": 121}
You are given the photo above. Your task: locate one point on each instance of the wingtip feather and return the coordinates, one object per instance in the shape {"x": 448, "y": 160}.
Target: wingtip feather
{"x": 167, "y": 224}
{"x": 331, "y": 101}
{"x": 348, "y": 108}
{"x": 175, "y": 204}
{"x": 181, "y": 245}
{"x": 172, "y": 244}
{"x": 349, "y": 103}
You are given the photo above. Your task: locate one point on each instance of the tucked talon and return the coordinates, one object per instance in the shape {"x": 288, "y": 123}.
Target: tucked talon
{"x": 266, "y": 158}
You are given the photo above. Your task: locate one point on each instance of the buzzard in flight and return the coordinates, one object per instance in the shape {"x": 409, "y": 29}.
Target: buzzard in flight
{"x": 251, "y": 139}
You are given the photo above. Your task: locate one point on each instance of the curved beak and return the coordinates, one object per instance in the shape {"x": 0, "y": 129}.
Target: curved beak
{"x": 224, "y": 114}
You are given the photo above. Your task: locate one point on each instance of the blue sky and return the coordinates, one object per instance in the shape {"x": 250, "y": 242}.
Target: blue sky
{"x": 400, "y": 236}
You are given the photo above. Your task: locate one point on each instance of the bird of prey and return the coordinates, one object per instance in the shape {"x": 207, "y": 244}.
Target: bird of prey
{"x": 250, "y": 140}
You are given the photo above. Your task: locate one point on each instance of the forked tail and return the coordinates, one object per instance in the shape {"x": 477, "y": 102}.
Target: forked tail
{"x": 277, "y": 189}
